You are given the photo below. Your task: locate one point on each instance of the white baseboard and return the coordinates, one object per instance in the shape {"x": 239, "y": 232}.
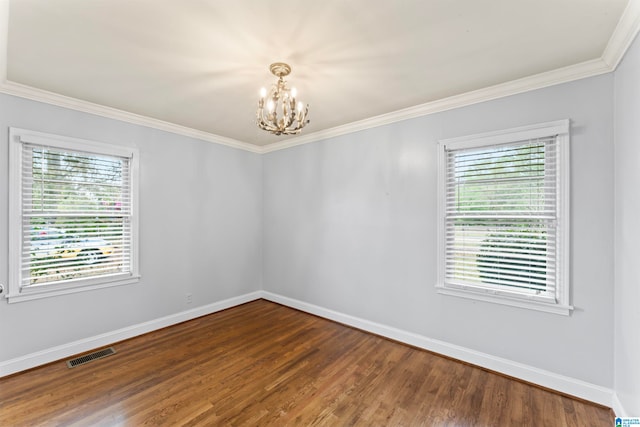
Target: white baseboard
{"x": 561, "y": 383}
{"x": 617, "y": 407}
{"x": 49, "y": 355}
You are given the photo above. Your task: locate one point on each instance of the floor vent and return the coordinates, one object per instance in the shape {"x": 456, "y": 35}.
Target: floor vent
{"x": 91, "y": 356}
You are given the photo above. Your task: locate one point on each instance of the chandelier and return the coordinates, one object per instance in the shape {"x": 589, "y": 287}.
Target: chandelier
{"x": 278, "y": 111}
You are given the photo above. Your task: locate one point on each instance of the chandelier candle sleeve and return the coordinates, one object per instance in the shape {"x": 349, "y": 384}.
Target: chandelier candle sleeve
{"x": 283, "y": 115}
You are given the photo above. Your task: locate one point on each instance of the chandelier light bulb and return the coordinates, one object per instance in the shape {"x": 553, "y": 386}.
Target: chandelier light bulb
{"x": 282, "y": 114}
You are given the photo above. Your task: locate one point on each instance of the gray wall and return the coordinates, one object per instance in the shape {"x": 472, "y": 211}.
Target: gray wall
{"x": 351, "y": 226}
{"x": 627, "y": 230}
{"x": 200, "y": 231}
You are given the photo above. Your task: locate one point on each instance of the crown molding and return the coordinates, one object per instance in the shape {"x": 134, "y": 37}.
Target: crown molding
{"x": 626, "y": 30}
{"x": 538, "y": 81}
{"x": 623, "y": 35}
{"x": 28, "y": 92}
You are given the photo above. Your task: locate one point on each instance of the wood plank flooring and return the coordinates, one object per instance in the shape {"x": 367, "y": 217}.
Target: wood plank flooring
{"x": 263, "y": 364}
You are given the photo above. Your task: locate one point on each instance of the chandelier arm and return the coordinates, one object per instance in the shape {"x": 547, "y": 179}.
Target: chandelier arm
{"x": 263, "y": 121}
{"x": 286, "y": 115}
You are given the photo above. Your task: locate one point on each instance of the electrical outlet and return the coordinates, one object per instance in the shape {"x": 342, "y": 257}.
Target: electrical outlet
{"x": 189, "y": 298}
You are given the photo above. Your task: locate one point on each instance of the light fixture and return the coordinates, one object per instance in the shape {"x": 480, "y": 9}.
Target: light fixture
{"x": 278, "y": 110}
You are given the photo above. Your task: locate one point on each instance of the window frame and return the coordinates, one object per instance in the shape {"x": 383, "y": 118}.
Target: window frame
{"x": 560, "y": 129}
{"x": 17, "y": 139}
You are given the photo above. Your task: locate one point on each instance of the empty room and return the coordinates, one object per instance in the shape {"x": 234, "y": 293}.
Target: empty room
{"x": 367, "y": 212}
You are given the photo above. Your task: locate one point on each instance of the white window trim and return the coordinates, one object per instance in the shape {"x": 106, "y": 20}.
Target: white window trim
{"x": 16, "y": 139}
{"x": 562, "y": 300}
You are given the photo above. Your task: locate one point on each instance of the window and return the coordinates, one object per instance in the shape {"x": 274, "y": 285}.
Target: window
{"x": 73, "y": 222}
{"x": 503, "y": 211}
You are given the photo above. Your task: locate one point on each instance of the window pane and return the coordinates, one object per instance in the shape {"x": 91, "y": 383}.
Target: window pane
{"x": 500, "y": 206}
{"x": 501, "y": 253}
{"x": 76, "y": 216}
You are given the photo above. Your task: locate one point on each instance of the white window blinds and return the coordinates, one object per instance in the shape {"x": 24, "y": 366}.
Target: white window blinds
{"x": 76, "y": 216}
{"x": 501, "y": 228}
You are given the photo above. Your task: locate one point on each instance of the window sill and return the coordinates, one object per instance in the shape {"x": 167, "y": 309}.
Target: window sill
{"x": 45, "y": 292}
{"x": 564, "y": 310}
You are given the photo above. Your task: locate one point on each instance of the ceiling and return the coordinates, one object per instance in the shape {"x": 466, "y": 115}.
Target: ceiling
{"x": 199, "y": 64}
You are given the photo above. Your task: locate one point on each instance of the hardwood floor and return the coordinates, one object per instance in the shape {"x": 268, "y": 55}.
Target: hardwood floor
{"x": 265, "y": 364}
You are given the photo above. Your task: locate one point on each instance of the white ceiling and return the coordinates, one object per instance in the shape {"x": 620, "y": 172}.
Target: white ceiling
{"x": 200, "y": 63}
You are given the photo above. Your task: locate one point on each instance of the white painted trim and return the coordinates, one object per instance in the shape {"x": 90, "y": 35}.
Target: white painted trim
{"x": 16, "y": 295}
{"x": 69, "y": 142}
{"x": 17, "y": 138}
{"x": 624, "y": 33}
{"x": 561, "y": 383}
{"x": 558, "y": 303}
{"x": 626, "y": 30}
{"x": 505, "y": 299}
{"x": 617, "y": 407}
{"x": 15, "y": 218}
{"x": 49, "y": 355}
{"x": 504, "y": 136}
{"x": 24, "y": 91}
{"x": 551, "y": 380}
{"x": 538, "y": 81}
